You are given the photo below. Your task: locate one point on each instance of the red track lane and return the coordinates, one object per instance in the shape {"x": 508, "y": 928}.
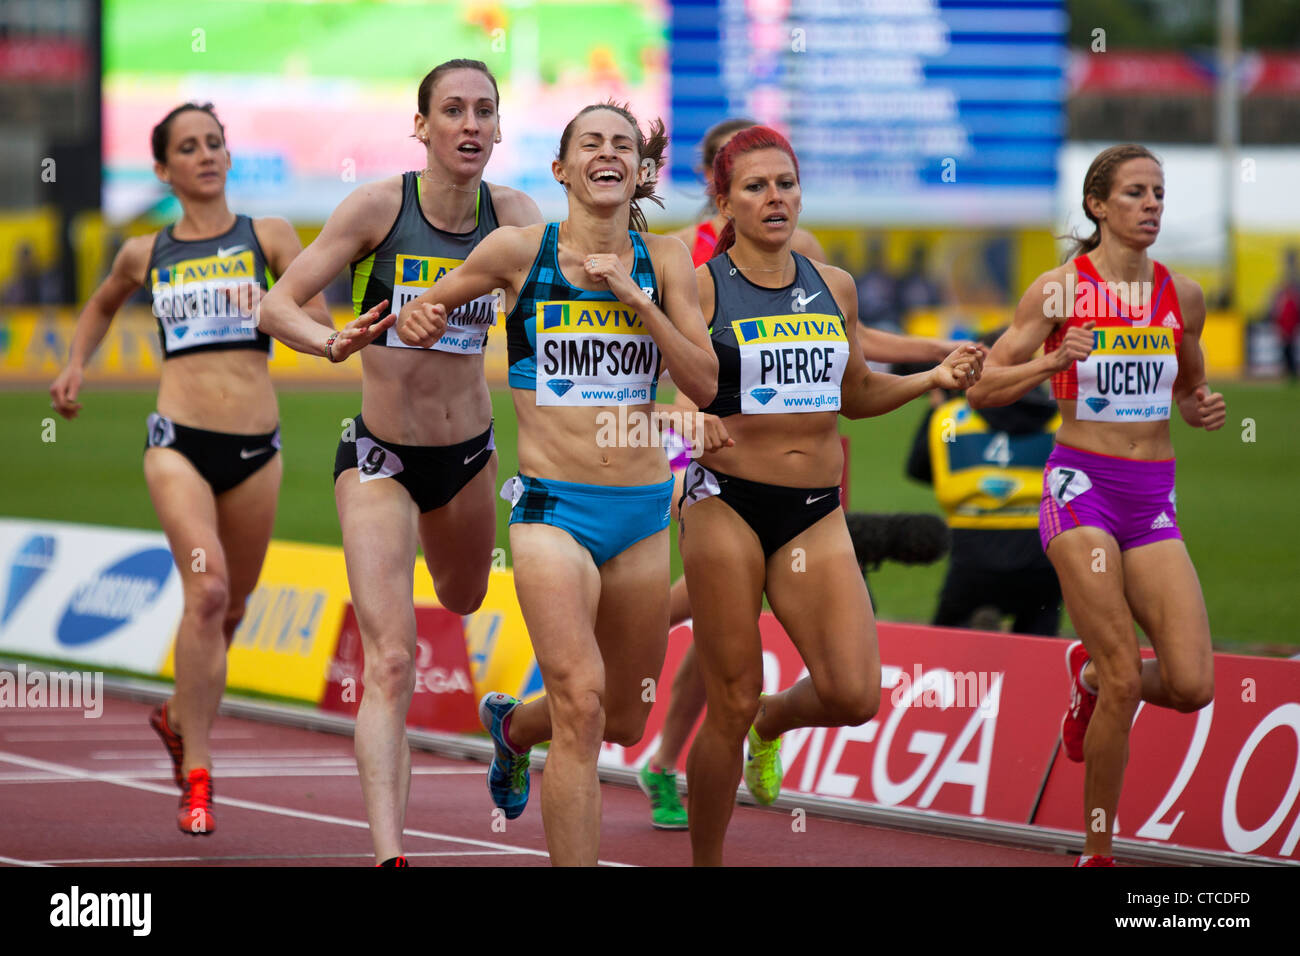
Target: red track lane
{"x": 99, "y": 792}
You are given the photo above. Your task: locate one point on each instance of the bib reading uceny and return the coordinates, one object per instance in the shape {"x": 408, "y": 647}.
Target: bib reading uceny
{"x": 467, "y": 325}
{"x": 594, "y": 353}
{"x": 1129, "y": 375}
{"x": 206, "y": 301}
{"x": 791, "y": 363}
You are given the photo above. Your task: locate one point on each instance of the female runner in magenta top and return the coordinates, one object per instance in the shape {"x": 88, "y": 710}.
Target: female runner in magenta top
{"x": 1121, "y": 337}
{"x": 761, "y": 508}
{"x": 594, "y": 309}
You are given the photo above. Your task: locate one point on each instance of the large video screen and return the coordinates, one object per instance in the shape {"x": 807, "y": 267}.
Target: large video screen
{"x": 317, "y": 97}
{"x": 901, "y": 111}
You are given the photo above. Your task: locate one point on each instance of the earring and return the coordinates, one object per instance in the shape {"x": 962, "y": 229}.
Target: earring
{"x": 497, "y": 139}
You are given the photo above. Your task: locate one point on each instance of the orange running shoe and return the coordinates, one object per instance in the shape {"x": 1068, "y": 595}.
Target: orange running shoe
{"x": 1093, "y": 860}
{"x": 171, "y": 740}
{"x": 195, "y": 815}
{"x": 1074, "y": 725}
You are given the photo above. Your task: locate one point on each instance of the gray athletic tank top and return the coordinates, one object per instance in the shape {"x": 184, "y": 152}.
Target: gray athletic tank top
{"x": 780, "y": 351}
{"x": 203, "y": 290}
{"x": 412, "y": 257}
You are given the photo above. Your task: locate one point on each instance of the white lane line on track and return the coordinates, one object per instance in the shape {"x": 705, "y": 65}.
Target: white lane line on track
{"x": 74, "y": 718}
{"x": 164, "y": 772}
{"x": 152, "y": 752}
{"x": 50, "y": 736}
{"x": 12, "y": 862}
{"x": 287, "y": 856}
{"x": 271, "y": 808}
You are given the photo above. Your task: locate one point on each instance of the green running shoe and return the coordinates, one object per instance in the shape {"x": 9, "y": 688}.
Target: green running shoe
{"x": 666, "y": 810}
{"x": 763, "y": 771}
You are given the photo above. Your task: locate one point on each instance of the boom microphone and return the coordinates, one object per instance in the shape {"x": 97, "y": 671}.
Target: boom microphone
{"x": 905, "y": 538}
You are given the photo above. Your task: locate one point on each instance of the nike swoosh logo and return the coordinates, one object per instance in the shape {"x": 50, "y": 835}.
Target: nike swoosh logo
{"x": 246, "y": 454}
{"x": 475, "y": 455}
{"x": 803, "y": 303}
{"x": 222, "y": 253}
{"x": 811, "y": 499}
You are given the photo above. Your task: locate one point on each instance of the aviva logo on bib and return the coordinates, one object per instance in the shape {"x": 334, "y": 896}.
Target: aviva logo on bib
{"x": 239, "y": 266}
{"x": 608, "y": 317}
{"x": 423, "y": 271}
{"x": 1133, "y": 343}
{"x": 779, "y": 329}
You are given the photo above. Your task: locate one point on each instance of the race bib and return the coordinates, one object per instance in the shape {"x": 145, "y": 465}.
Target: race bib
{"x": 467, "y": 325}
{"x": 594, "y": 353}
{"x": 791, "y": 363}
{"x": 698, "y": 484}
{"x": 1129, "y": 376}
{"x": 207, "y": 301}
{"x": 374, "y": 461}
{"x": 1066, "y": 484}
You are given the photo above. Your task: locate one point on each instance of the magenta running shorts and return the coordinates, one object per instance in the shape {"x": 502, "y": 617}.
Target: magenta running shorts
{"x": 1131, "y": 500}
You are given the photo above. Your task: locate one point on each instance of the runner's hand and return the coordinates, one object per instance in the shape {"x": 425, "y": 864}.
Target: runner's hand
{"x": 961, "y": 369}
{"x": 421, "y": 323}
{"x": 361, "y": 331}
{"x": 64, "y": 392}
{"x": 1211, "y": 407}
{"x": 706, "y": 434}
{"x": 608, "y": 268}
{"x": 1076, "y": 346}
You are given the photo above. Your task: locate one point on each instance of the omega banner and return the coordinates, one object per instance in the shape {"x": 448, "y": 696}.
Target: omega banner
{"x": 969, "y": 722}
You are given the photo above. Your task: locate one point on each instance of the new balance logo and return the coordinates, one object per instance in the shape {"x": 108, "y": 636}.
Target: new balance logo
{"x": 1162, "y": 522}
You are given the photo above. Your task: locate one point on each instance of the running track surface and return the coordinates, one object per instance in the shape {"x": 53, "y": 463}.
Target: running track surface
{"x": 99, "y": 792}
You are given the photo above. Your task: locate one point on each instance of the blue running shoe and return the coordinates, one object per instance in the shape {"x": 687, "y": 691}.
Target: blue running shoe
{"x": 508, "y": 777}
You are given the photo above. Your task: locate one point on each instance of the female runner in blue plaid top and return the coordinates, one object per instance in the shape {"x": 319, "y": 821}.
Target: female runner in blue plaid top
{"x": 595, "y": 310}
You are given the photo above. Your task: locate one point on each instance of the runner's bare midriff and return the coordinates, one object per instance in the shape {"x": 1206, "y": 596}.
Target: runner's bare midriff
{"x": 420, "y": 397}
{"x": 1144, "y": 441}
{"x": 795, "y": 451}
{"x": 225, "y": 391}
{"x": 587, "y": 445}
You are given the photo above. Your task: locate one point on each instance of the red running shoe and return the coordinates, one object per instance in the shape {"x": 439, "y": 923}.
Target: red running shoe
{"x": 1086, "y": 860}
{"x": 1075, "y": 722}
{"x": 195, "y": 815}
{"x": 171, "y": 740}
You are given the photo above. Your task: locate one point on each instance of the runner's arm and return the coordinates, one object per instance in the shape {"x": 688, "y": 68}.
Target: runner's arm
{"x": 348, "y": 233}
{"x": 1199, "y": 406}
{"x": 1012, "y": 371}
{"x": 281, "y": 244}
{"x": 499, "y": 262}
{"x": 126, "y": 275}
